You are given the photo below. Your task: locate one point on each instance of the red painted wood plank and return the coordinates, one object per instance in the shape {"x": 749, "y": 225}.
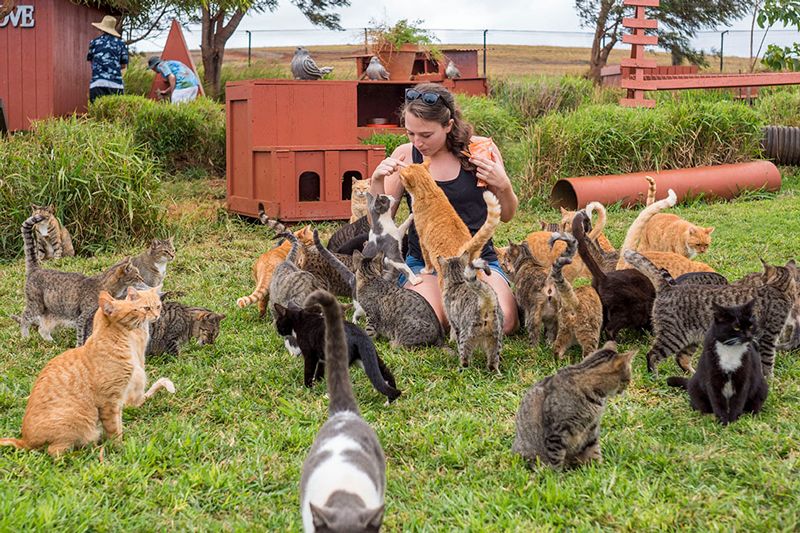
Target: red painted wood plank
{"x": 639, "y": 85}
{"x": 642, "y": 3}
{"x": 719, "y": 82}
{"x": 640, "y": 39}
{"x": 638, "y": 63}
{"x": 644, "y": 24}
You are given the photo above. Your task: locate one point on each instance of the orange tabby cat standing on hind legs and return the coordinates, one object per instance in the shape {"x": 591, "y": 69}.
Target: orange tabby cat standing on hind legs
{"x": 266, "y": 263}
{"x": 90, "y": 383}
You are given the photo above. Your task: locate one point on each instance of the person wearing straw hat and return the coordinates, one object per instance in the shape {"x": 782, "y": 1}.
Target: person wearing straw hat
{"x": 109, "y": 56}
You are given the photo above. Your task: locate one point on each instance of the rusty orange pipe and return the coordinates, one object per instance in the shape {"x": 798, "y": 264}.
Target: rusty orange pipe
{"x": 721, "y": 181}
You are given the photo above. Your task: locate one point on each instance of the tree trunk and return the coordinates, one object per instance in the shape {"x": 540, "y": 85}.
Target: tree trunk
{"x": 215, "y": 34}
{"x": 599, "y": 54}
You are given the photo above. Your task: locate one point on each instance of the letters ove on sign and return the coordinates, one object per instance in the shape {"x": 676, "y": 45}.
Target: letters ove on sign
{"x": 20, "y": 17}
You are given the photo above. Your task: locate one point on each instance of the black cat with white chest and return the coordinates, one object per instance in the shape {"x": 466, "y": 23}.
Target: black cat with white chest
{"x": 307, "y": 329}
{"x": 729, "y": 380}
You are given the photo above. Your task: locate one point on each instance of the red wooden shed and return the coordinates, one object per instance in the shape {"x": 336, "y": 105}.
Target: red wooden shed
{"x": 43, "y": 67}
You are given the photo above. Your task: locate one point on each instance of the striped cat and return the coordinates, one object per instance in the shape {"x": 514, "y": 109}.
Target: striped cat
{"x": 52, "y": 239}
{"x": 682, "y": 314}
{"x": 179, "y": 323}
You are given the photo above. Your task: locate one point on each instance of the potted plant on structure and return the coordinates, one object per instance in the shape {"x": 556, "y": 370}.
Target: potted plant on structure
{"x": 397, "y": 46}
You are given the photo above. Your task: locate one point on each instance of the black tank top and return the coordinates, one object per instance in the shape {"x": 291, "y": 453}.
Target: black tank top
{"x": 466, "y": 198}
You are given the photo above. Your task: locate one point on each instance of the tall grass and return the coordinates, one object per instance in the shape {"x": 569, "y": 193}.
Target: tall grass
{"x": 256, "y": 71}
{"x": 137, "y": 77}
{"x": 180, "y": 136}
{"x": 610, "y": 139}
{"x": 100, "y": 179}
{"x": 779, "y": 107}
{"x": 389, "y": 140}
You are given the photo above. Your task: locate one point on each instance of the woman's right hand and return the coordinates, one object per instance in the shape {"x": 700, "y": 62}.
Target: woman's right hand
{"x": 388, "y": 166}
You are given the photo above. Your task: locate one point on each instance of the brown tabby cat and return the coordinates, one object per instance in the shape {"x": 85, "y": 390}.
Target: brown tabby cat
{"x": 558, "y": 421}
{"x": 441, "y": 231}
{"x": 358, "y": 198}
{"x": 91, "y": 383}
{"x": 666, "y": 232}
{"x": 579, "y": 311}
{"x": 266, "y": 263}
{"x": 52, "y": 239}
{"x": 152, "y": 263}
{"x": 529, "y": 277}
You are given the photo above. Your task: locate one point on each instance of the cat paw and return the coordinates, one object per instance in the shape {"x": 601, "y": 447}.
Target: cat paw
{"x": 426, "y": 270}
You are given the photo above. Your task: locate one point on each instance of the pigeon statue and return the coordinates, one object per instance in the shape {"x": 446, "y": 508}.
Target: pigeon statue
{"x": 452, "y": 70}
{"x": 304, "y": 67}
{"x": 375, "y": 70}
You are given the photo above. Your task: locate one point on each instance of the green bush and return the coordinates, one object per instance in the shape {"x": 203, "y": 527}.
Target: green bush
{"x": 179, "y": 136}
{"x": 137, "y": 77}
{"x": 533, "y": 97}
{"x": 389, "y": 140}
{"x": 102, "y": 182}
{"x": 610, "y": 139}
{"x": 779, "y": 107}
{"x": 489, "y": 118}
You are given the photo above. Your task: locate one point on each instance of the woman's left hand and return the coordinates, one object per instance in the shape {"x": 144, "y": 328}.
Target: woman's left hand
{"x": 492, "y": 172}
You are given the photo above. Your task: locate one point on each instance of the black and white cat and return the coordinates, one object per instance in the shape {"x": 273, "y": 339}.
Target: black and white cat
{"x": 729, "y": 380}
{"x": 307, "y": 330}
{"x": 385, "y": 236}
{"x": 344, "y": 475}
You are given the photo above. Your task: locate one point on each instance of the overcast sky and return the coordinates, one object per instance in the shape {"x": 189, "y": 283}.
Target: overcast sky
{"x": 470, "y": 16}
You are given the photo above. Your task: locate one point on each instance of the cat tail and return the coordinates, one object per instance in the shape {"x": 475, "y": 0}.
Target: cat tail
{"x": 602, "y": 216}
{"x": 659, "y": 277}
{"x": 16, "y": 443}
{"x": 272, "y": 224}
{"x": 372, "y": 368}
{"x": 482, "y": 236}
{"x": 678, "y": 382}
{"x": 566, "y": 256}
{"x": 340, "y": 267}
{"x": 579, "y": 224}
{"x": 340, "y": 390}
{"x": 262, "y": 287}
{"x": 635, "y": 231}
{"x": 651, "y": 190}
{"x": 31, "y": 259}
{"x": 292, "y": 257}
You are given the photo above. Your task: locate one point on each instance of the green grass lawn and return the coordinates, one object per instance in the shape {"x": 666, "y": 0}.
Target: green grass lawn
{"x": 225, "y": 452}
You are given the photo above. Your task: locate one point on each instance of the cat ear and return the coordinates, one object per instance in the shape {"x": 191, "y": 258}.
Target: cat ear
{"x": 625, "y": 359}
{"x": 426, "y": 163}
{"x": 563, "y": 211}
{"x": 106, "y": 302}
{"x": 50, "y": 209}
{"x": 171, "y": 241}
{"x": 543, "y": 224}
{"x": 710, "y": 230}
{"x": 319, "y": 517}
{"x": 465, "y": 257}
{"x": 279, "y": 309}
{"x": 610, "y": 345}
{"x": 373, "y": 518}
{"x": 440, "y": 260}
{"x": 748, "y": 307}
{"x": 133, "y": 294}
{"x": 353, "y": 180}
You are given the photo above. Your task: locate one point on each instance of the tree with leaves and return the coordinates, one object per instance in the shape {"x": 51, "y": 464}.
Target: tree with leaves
{"x": 678, "y": 22}
{"x": 768, "y": 13}
{"x": 220, "y": 18}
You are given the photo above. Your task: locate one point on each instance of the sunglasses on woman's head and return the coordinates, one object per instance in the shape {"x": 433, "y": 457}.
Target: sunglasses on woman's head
{"x": 428, "y": 98}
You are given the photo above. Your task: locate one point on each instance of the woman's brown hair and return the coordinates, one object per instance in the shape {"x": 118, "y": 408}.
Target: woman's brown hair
{"x": 441, "y": 112}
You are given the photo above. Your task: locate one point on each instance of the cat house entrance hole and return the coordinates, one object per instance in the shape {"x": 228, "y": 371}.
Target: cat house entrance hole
{"x": 347, "y": 183}
{"x": 309, "y": 187}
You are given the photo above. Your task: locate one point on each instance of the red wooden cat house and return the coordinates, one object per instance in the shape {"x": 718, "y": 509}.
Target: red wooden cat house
{"x": 292, "y": 147}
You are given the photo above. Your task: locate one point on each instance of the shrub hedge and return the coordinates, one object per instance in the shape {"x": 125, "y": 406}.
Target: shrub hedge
{"x": 779, "y": 107}
{"x": 103, "y": 183}
{"x": 179, "y": 136}
{"x": 609, "y": 139}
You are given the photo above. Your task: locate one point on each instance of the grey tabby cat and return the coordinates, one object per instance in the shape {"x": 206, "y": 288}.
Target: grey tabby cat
{"x": 152, "y": 263}
{"x": 178, "y": 323}
{"x": 401, "y": 315}
{"x": 313, "y": 259}
{"x": 344, "y": 475}
{"x": 558, "y": 421}
{"x": 471, "y": 306}
{"x": 347, "y": 233}
{"x": 289, "y": 284}
{"x": 54, "y": 298}
{"x": 529, "y": 278}
{"x": 52, "y": 239}
{"x": 385, "y": 236}
{"x": 682, "y": 314}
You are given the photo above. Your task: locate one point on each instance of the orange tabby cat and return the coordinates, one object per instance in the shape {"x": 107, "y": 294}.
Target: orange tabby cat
{"x": 441, "y": 231}
{"x": 666, "y": 232}
{"x": 635, "y": 230}
{"x": 266, "y": 263}
{"x": 358, "y": 199}
{"x": 675, "y": 264}
{"x": 539, "y": 243}
{"x": 89, "y": 384}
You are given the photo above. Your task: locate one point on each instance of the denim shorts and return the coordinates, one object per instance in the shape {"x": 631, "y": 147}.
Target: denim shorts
{"x": 418, "y": 264}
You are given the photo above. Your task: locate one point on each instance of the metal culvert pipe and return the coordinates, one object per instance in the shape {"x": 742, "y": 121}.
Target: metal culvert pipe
{"x": 782, "y": 144}
{"x": 721, "y": 181}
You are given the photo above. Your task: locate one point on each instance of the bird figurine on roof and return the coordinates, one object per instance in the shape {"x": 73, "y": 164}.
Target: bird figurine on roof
{"x": 375, "y": 70}
{"x": 452, "y": 70}
{"x": 305, "y": 68}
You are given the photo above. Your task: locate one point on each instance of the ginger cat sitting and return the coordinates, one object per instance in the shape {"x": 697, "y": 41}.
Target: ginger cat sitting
{"x": 358, "y": 199}
{"x": 91, "y": 383}
{"x": 266, "y": 263}
{"x": 441, "y": 231}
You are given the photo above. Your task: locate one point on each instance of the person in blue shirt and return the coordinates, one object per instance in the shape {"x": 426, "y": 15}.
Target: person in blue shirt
{"x": 108, "y": 55}
{"x": 183, "y": 84}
